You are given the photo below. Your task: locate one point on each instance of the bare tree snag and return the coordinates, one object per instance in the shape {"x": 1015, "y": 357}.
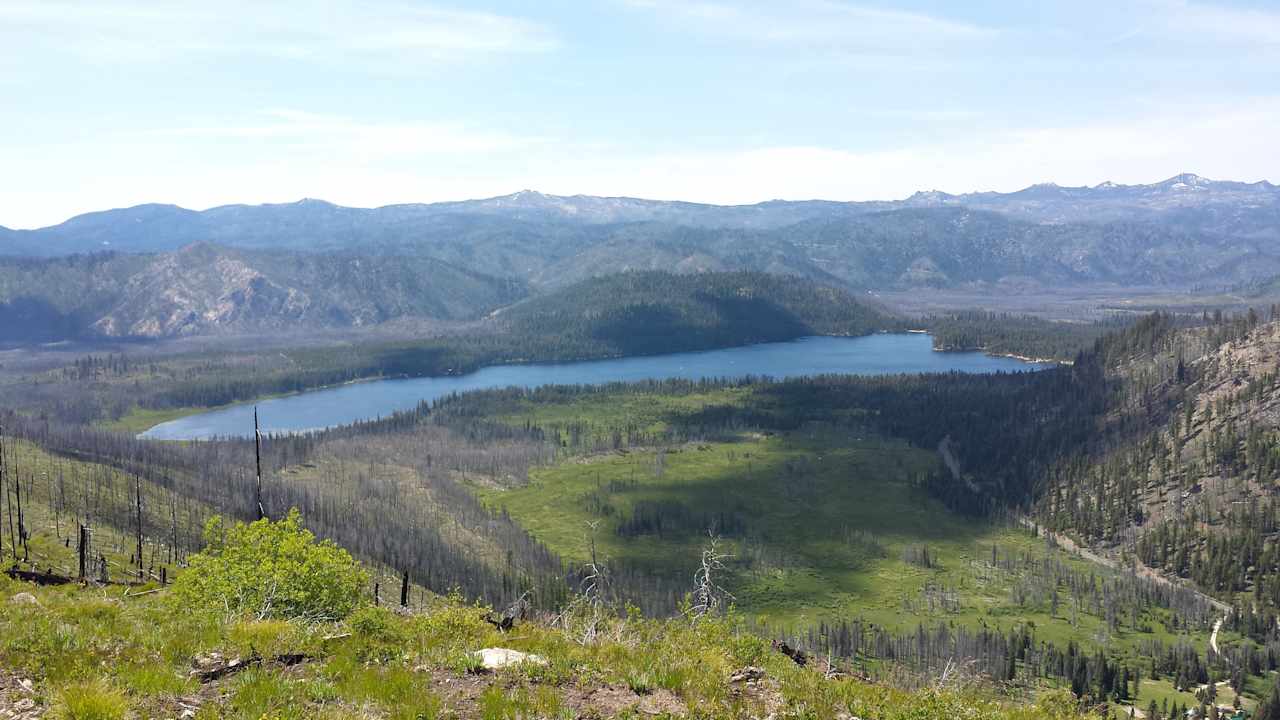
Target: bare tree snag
{"x": 257, "y": 456}
{"x": 137, "y": 486}
{"x": 82, "y": 550}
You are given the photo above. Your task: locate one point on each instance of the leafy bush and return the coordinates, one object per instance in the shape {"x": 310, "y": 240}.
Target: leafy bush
{"x": 377, "y": 635}
{"x": 271, "y": 570}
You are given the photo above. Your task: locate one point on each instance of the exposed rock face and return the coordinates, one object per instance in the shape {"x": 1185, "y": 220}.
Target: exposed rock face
{"x": 207, "y": 289}
{"x": 199, "y": 290}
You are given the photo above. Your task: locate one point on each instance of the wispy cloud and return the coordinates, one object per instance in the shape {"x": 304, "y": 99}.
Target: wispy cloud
{"x": 817, "y": 24}
{"x": 335, "y": 31}
{"x": 288, "y": 129}
{"x": 1225, "y": 141}
{"x": 1217, "y": 22}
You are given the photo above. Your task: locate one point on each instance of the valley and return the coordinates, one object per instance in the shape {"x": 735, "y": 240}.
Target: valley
{"x": 775, "y": 447}
{"x": 639, "y": 360}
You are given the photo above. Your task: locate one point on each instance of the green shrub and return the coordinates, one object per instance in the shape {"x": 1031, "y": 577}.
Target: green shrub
{"x": 376, "y": 634}
{"x": 90, "y": 701}
{"x": 271, "y": 570}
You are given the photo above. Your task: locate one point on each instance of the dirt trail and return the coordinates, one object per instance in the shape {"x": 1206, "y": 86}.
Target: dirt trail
{"x": 953, "y": 464}
{"x": 1066, "y": 543}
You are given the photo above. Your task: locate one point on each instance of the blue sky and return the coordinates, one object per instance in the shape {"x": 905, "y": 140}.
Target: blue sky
{"x": 116, "y": 102}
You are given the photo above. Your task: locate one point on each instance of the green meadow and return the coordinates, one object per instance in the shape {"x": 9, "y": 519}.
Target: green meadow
{"x": 820, "y": 524}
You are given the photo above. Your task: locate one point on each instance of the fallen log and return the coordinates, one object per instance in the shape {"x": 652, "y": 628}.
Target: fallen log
{"x": 800, "y": 657}
{"x": 37, "y": 577}
{"x": 218, "y": 669}
{"x": 215, "y": 667}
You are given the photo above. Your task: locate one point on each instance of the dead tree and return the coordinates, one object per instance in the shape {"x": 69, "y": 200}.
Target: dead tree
{"x": 137, "y": 486}
{"x": 82, "y": 549}
{"x": 13, "y": 543}
{"x": 257, "y": 456}
{"x": 3, "y": 487}
{"x": 22, "y": 524}
{"x": 708, "y": 595}
{"x": 518, "y": 610}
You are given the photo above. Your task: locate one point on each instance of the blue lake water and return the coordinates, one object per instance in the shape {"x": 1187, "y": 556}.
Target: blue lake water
{"x": 871, "y": 355}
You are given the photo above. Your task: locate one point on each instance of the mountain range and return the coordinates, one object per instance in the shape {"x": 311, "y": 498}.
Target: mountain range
{"x": 173, "y": 271}
{"x": 1246, "y": 209}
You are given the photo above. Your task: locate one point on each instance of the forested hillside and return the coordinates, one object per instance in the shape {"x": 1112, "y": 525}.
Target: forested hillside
{"x": 1190, "y": 491}
{"x": 656, "y": 312}
{"x": 206, "y": 289}
{"x": 1018, "y": 335}
{"x": 625, "y": 314}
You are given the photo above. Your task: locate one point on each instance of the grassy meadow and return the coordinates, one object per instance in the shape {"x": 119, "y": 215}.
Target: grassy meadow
{"x": 820, "y": 523}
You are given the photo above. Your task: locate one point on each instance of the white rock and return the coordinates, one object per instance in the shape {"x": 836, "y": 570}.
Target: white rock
{"x": 24, "y": 598}
{"x": 496, "y": 658}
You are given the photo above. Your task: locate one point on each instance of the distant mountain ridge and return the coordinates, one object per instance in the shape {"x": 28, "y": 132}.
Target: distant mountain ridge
{"x": 313, "y": 263}
{"x": 1043, "y": 202}
{"x": 1251, "y": 209}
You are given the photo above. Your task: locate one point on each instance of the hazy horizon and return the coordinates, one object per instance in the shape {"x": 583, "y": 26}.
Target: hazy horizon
{"x": 717, "y": 101}
{"x": 251, "y": 203}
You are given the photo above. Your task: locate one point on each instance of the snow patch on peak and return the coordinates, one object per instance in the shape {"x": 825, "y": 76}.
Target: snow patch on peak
{"x": 1186, "y": 181}
{"x": 930, "y": 196}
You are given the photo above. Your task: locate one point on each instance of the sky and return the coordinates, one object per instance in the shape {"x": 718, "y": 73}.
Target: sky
{"x": 372, "y": 102}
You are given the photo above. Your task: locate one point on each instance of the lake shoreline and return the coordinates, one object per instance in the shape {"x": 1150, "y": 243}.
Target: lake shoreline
{"x": 369, "y": 398}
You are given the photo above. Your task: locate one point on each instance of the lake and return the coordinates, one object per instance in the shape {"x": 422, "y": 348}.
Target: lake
{"x": 870, "y": 355}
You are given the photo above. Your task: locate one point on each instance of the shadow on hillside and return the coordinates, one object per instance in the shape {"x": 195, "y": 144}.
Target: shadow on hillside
{"x": 645, "y": 329}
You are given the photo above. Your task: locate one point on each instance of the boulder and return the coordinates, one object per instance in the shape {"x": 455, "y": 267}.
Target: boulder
{"x": 498, "y": 658}
{"x": 747, "y": 674}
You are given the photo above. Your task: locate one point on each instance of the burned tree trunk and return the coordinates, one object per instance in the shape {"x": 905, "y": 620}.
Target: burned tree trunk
{"x": 2, "y": 487}
{"x": 137, "y": 486}
{"x": 257, "y": 456}
{"x": 83, "y": 550}
{"x": 22, "y": 525}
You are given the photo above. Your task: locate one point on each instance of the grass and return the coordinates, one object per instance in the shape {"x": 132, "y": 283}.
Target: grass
{"x": 820, "y": 524}
{"x": 94, "y": 494}
{"x": 1165, "y": 695}
{"x": 93, "y": 700}
{"x": 95, "y": 648}
{"x": 93, "y": 654}
{"x": 140, "y": 419}
{"x": 601, "y": 413}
